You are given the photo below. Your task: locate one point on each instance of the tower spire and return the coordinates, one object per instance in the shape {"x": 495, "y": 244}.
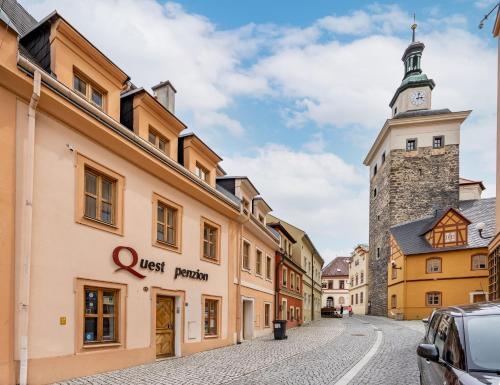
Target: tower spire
{"x": 413, "y": 27}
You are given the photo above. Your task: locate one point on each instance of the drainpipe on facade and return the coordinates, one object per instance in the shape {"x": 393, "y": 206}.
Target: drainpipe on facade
{"x": 238, "y": 287}
{"x": 278, "y": 286}
{"x": 26, "y": 228}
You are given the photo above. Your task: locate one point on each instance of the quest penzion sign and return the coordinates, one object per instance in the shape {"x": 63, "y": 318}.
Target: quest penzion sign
{"x": 144, "y": 264}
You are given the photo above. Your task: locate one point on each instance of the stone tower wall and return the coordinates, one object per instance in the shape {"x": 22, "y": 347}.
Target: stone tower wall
{"x": 410, "y": 185}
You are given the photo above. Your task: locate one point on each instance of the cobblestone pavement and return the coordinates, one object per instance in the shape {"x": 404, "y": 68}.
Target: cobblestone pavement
{"x": 320, "y": 353}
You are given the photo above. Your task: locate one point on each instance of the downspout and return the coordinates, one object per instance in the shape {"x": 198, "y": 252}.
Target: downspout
{"x": 27, "y": 229}
{"x": 239, "y": 315}
{"x": 278, "y": 286}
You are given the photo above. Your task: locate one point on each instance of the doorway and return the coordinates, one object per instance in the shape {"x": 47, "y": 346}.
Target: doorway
{"x": 247, "y": 319}
{"x": 165, "y": 326}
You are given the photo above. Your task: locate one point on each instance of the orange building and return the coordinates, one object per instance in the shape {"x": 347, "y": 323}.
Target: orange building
{"x": 440, "y": 260}
{"x": 119, "y": 246}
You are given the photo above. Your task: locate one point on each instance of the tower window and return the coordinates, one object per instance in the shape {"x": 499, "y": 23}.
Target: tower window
{"x": 375, "y": 170}
{"x": 383, "y": 157}
{"x": 374, "y": 192}
{"x": 438, "y": 141}
{"x": 411, "y": 144}
{"x": 378, "y": 252}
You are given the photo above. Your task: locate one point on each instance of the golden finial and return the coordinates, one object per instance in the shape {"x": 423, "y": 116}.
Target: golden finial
{"x": 413, "y": 27}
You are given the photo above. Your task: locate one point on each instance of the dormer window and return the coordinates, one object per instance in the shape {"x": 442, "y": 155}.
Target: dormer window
{"x": 201, "y": 172}
{"x": 159, "y": 141}
{"x": 411, "y": 144}
{"x": 246, "y": 205}
{"x": 89, "y": 91}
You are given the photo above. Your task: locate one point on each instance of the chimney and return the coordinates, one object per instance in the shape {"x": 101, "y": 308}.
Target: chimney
{"x": 165, "y": 93}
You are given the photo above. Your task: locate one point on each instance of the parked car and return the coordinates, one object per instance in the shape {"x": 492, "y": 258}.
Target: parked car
{"x": 461, "y": 346}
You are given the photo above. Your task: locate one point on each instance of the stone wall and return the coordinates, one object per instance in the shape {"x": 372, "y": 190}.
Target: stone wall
{"x": 410, "y": 185}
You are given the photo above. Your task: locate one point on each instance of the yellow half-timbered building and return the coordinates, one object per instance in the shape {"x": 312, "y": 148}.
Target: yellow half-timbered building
{"x": 440, "y": 260}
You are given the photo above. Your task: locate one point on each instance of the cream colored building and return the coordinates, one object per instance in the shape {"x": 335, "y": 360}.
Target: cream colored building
{"x": 118, "y": 245}
{"x": 335, "y": 284}
{"x": 305, "y": 254}
{"x": 358, "y": 288}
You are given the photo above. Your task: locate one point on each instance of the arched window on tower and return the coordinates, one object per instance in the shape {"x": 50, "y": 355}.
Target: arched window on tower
{"x": 415, "y": 62}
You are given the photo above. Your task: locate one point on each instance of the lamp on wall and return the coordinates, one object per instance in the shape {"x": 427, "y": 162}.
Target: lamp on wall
{"x": 394, "y": 266}
{"x": 483, "y": 20}
{"x": 480, "y": 227}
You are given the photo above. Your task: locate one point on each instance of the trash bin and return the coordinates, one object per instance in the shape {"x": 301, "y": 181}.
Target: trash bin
{"x": 280, "y": 329}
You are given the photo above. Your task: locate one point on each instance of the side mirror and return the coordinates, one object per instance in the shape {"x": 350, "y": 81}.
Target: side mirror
{"x": 429, "y": 352}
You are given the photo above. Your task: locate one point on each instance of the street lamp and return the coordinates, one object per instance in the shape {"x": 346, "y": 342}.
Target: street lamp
{"x": 394, "y": 266}
{"x": 480, "y": 227}
{"x": 481, "y": 23}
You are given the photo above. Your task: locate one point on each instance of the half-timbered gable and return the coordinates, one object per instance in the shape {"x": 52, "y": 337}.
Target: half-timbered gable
{"x": 449, "y": 230}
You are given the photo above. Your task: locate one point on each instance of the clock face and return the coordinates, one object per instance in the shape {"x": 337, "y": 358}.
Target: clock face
{"x": 417, "y": 98}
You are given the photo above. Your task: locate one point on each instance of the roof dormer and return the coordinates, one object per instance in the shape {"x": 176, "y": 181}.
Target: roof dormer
{"x": 260, "y": 209}
{"x": 65, "y": 53}
{"x": 449, "y": 229}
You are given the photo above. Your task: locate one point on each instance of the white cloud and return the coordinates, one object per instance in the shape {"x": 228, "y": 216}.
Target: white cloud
{"x": 483, "y": 4}
{"x": 154, "y": 42}
{"x": 320, "y": 192}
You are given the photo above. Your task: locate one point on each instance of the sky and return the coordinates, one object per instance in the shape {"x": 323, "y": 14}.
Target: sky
{"x": 293, "y": 93}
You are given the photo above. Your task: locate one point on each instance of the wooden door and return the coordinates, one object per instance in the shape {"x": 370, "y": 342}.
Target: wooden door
{"x": 165, "y": 326}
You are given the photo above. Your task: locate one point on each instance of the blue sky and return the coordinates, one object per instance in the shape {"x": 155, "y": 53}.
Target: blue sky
{"x": 293, "y": 93}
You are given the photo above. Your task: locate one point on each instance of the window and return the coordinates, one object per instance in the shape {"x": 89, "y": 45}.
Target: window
{"x": 433, "y": 298}
{"x": 453, "y": 352}
{"x": 202, "y": 173}
{"x": 268, "y": 267}
{"x": 352, "y": 281}
{"x": 297, "y": 284}
{"x": 433, "y": 265}
{"x": 291, "y": 314}
{"x": 284, "y": 313}
{"x": 374, "y": 192}
{"x": 394, "y": 272}
{"x": 341, "y": 284}
{"x": 433, "y": 325}
{"x": 411, "y": 144}
{"x": 267, "y": 315}
{"x": 438, "y": 141}
{"x": 297, "y": 313}
{"x": 159, "y": 141}
{"x": 284, "y": 278}
{"x": 101, "y": 315}
{"x": 210, "y": 241}
{"x": 323, "y": 285}
{"x": 383, "y": 157}
{"x": 211, "y": 317}
{"x": 292, "y": 279}
{"x": 356, "y": 298}
{"x": 357, "y": 280}
{"x": 378, "y": 252}
{"x": 375, "y": 170}
{"x": 362, "y": 279}
{"x": 246, "y": 255}
{"x": 330, "y": 284}
{"x": 166, "y": 226}
{"x": 258, "y": 262}
{"x": 89, "y": 91}
{"x": 450, "y": 236}
{"x": 99, "y": 196}
{"x": 352, "y": 299}
{"x": 394, "y": 301}
{"x": 341, "y": 300}
{"x": 361, "y": 297}
{"x": 479, "y": 262}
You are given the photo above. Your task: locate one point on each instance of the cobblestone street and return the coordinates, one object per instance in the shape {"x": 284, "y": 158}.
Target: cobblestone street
{"x": 318, "y": 354}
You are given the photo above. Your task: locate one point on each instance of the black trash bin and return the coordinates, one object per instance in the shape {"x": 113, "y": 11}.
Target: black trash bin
{"x": 280, "y": 329}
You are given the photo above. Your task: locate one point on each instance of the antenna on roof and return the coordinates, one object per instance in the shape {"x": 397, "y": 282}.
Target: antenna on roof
{"x": 413, "y": 27}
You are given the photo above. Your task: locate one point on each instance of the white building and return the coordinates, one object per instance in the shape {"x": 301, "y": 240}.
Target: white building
{"x": 335, "y": 283}
{"x": 358, "y": 288}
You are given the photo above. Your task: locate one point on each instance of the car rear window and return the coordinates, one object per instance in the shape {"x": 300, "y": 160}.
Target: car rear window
{"x": 483, "y": 341}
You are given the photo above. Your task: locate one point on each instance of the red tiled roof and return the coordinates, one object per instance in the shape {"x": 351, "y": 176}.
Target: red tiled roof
{"x": 339, "y": 266}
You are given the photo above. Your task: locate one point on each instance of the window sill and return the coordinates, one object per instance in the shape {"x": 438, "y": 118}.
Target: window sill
{"x": 211, "y": 337}
{"x": 97, "y": 345}
{"x": 210, "y": 260}
{"x": 97, "y": 224}
{"x": 247, "y": 270}
{"x": 166, "y": 246}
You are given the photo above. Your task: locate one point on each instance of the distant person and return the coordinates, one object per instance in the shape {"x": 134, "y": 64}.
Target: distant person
{"x": 341, "y": 310}
{"x": 350, "y": 310}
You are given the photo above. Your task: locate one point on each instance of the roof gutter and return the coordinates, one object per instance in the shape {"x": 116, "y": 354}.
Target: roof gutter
{"x": 29, "y": 67}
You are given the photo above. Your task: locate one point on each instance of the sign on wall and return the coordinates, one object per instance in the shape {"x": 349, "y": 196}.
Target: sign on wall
{"x": 131, "y": 267}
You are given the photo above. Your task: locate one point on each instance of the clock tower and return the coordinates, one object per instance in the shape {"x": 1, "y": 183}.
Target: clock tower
{"x": 414, "y": 168}
{"x": 415, "y": 90}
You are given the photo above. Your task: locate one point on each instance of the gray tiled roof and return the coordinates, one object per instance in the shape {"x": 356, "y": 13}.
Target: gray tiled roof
{"x": 411, "y": 114}
{"x": 21, "y": 19}
{"x": 411, "y": 241}
{"x": 232, "y": 197}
